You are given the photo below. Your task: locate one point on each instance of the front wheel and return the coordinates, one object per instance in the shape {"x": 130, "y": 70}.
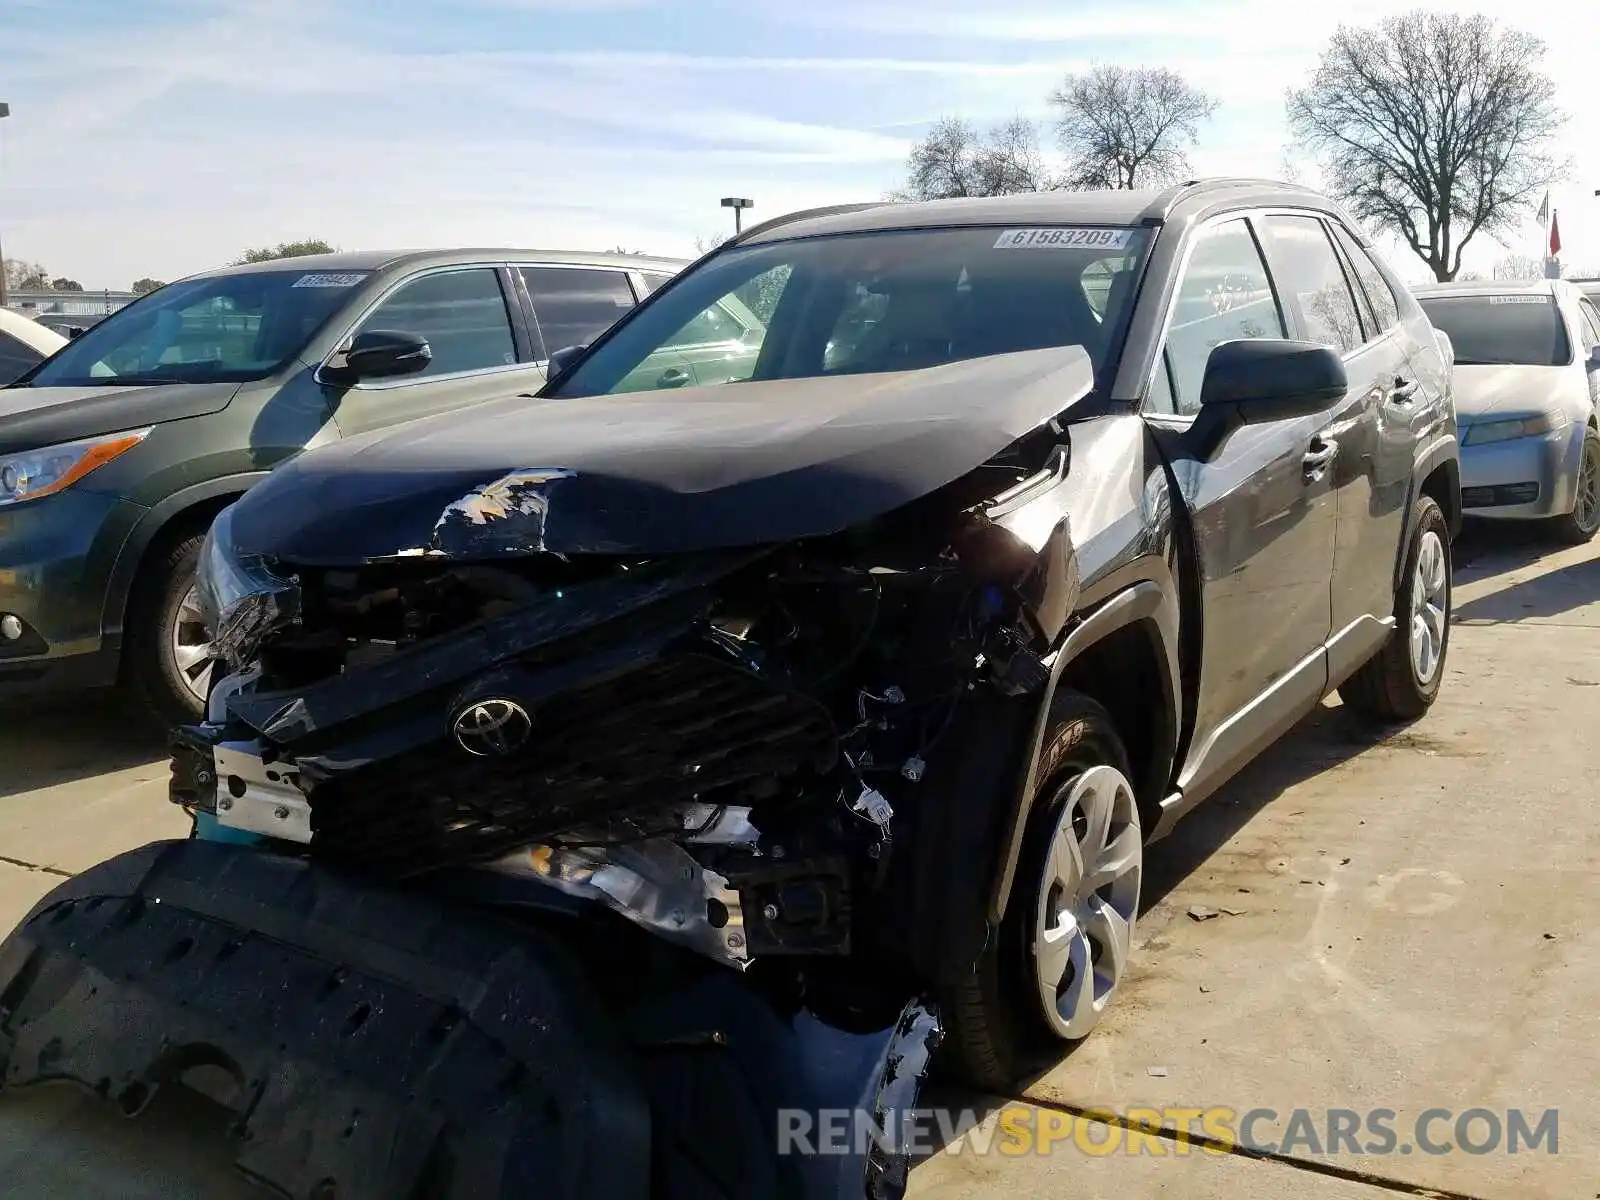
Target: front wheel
{"x": 1581, "y": 524}
{"x": 1401, "y": 681}
{"x": 169, "y": 660}
{"x": 1062, "y": 951}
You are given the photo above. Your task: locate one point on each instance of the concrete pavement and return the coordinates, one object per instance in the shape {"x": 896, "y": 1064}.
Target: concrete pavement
{"x": 1413, "y": 929}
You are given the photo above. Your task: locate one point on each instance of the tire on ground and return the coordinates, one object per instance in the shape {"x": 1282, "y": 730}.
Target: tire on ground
{"x": 150, "y": 671}
{"x": 1387, "y": 688}
{"x": 994, "y": 1031}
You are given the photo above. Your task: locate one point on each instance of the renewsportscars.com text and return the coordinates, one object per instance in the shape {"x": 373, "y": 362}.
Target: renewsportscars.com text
{"x": 1022, "y": 1129}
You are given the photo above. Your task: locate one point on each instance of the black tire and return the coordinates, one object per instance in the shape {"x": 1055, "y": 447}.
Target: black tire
{"x": 1388, "y": 688}
{"x": 1572, "y": 528}
{"x": 150, "y": 670}
{"x": 995, "y": 1034}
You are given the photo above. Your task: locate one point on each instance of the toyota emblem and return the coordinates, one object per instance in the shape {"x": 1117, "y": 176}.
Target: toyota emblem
{"x": 492, "y": 728}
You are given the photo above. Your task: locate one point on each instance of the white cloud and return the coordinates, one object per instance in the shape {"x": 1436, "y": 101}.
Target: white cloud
{"x": 207, "y": 125}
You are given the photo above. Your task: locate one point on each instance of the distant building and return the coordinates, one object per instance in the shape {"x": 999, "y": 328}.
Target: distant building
{"x": 69, "y": 304}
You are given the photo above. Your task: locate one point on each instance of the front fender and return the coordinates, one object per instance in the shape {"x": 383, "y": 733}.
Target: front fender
{"x": 119, "y": 585}
{"x": 1150, "y": 599}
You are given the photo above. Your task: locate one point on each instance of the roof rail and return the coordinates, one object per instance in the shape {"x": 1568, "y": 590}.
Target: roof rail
{"x": 832, "y": 210}
{"x": 1168, "y": 199}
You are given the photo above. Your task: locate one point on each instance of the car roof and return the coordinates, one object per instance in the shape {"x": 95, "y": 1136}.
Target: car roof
{"x": 1489, "y": 287}
{"x": 28, "y": 331}
{"x": 1105, "y": 207}
{"x": 379, "y": 260}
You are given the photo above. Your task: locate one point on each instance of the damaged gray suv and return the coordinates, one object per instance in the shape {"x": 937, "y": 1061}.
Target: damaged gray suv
{"x": 861, "y": 677}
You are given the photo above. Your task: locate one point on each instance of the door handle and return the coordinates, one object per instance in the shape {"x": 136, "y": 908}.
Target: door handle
{"x": 1404, "y": 391}
{"x": 1316, "y": 459}
{"x": 673, "y": 377}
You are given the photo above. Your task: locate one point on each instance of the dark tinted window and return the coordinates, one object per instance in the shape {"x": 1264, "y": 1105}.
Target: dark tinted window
{"x": 1525, "y": 330}
{"x": 575, "y": 305}
{"x": 225, "y": 328}
{"x": 1305, "y": 266}
{"x": 1376, "y": 289}
{"x": 15, "y": 357}
{"x": 461, "y": 313}
{"x": 1225, "y": 296}
{"x": 891, "y": 301}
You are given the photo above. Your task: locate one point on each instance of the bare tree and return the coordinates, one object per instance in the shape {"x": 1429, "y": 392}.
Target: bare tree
{"x": 1127, "y": 127}
{"x": 957, "y": 159}
{"x": 1432, "y": 125}
{"x": 1519, "y": 266}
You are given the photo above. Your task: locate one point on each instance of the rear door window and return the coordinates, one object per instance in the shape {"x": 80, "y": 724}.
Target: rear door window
{"x": 575, "y": 305}
{"x": 1378, "y": 293}
{"x": 463, "y": 315}
{"x": 1522, "y": 329}
{"x": 1305, "y": 266}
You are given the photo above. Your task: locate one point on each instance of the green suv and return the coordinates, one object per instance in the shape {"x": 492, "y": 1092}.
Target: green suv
{"x": 117, "y": 451}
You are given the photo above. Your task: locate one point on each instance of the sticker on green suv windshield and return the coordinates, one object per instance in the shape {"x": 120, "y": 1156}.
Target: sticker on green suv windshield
{"x": 1064, "y": 237}
{"x": 1519, "y": 299}
{"x": 329, "y": 280}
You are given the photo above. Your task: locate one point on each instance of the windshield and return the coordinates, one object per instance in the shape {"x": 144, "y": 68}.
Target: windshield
{"x": 865, "y": 303}
{"x": 1511, "y": 330}
{"x": 226, "y": 328}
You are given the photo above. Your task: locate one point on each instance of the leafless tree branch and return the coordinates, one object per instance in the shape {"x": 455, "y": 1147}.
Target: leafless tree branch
{"x": 1127, "y": 127}
{"x": 1433, "y": 125}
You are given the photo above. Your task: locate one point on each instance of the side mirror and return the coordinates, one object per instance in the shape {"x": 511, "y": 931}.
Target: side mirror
{"x": 1271, "y": 380}
{"x": 562, "y": 359}
{"x": 384, "y": 353}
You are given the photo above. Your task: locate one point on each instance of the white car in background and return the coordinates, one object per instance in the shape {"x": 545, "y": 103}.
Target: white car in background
{"x": 23, "y": 344}
{"x": 1527, "y": 386}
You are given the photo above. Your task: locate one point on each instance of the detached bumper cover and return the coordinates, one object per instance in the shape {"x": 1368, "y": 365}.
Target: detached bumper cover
{"x": 373, "y": 1043}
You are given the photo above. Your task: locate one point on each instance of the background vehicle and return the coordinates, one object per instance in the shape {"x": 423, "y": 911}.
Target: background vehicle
{"x": 24, "y": 344}
{"x": 1527, "y": 382}
{"x": 115, "y": 455}
{"x": 863, "y": 678}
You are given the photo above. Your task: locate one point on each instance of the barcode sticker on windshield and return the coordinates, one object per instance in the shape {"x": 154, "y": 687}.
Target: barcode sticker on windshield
{"x": 1064, "y": 238}
{"x": 1519, "y": 299}
{"x": 328, "y": 280}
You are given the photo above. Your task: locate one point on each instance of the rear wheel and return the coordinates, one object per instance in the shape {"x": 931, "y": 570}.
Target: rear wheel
{"x": 1401, "y": 681}
{"x": 1581, "y": 524}
{"x": 1063, "y": 948}
{"x": 169, "y": 658}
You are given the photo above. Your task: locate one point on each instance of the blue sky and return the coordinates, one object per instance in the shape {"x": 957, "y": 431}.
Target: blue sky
{"x": 164, "y": 136}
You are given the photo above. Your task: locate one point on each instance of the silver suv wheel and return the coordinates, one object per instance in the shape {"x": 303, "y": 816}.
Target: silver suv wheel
{"x": 1088, "y": 901}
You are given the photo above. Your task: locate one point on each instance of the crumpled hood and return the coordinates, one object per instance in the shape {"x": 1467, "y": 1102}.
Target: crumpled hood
{"x": 31, "y": 417}
{"x": 656, "y": 472}
{"x": 1480, "y": 391}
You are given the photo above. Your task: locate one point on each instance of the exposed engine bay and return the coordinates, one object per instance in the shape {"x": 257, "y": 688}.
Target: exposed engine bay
{"x": 722, "y": 746}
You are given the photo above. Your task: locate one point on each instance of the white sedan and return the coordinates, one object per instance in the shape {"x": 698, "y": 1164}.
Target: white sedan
{"x": 23, "y": 343}
{"x": 1527, "y": 386}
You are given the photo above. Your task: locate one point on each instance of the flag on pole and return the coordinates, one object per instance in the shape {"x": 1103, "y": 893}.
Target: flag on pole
{"x": 1555, "y": 236}
{"x": 1544, "y": 209}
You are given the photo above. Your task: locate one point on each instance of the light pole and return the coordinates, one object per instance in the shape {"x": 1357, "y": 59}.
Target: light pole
{"x": 738, "y": 204}
{"x": 5, "y": 111}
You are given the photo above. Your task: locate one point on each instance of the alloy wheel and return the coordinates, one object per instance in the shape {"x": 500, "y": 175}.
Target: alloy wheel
{"x": 1586, "y": 508}
{"x": 1088, "y": 900}
{"x": 1429, "y": 597}
{"x": 190, "y": 647}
